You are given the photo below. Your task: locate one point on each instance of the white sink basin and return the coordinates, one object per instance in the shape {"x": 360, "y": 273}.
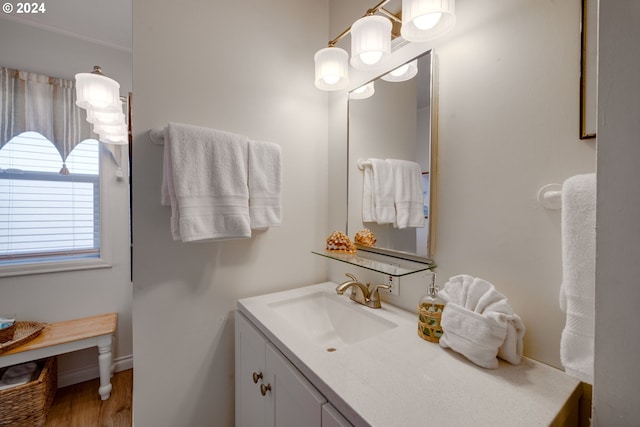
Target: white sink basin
{"x": 330, "y": 320}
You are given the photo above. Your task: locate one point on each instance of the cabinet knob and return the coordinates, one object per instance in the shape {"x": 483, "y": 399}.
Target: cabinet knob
{"x": 257, "y": 377}
{"x": 264, "y": 389}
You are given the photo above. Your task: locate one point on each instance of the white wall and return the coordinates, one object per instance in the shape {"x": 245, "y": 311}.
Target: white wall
{"x": 617, "y": 377}
{"x": 67, "y": 295}
{"x": 244, "y": 67}
{"x": 509, "y": 109}
{"x": 508, "y": 124}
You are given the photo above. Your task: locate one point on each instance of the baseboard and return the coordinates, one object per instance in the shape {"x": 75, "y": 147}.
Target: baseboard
{"x": 75, "y": 376}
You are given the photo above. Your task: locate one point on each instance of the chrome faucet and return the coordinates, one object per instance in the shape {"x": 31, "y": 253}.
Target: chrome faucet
{"x": 362, "y": 294}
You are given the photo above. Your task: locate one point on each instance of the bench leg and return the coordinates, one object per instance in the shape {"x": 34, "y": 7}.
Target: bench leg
{"x": 105, "y": 359}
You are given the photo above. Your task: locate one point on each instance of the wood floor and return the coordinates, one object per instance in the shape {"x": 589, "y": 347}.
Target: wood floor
{"x": 79, "y": 405}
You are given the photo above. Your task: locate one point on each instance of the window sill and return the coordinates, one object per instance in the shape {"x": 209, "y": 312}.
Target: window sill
{"x": 53, "y": 267}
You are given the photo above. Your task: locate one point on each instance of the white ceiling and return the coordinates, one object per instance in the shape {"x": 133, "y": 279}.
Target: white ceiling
{"x": 107, "y": 22}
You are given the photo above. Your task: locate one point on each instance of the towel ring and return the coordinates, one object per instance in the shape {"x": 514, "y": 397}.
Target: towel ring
{"x": 550, "y": 196}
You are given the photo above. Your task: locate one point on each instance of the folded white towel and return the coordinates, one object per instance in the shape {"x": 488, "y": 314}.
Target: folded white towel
{"x": 17, "y": 375}
{"x": 577, "y": 292}
{"x": 368, "y": 211}
{"x": 206, "y": 182}
{"x": 265, "y": 184}
{"x": 407, "y": 193}
{"x": 383, "y": 189}
{"x": 478, "y": 322}
{"x": 168, "y": 197}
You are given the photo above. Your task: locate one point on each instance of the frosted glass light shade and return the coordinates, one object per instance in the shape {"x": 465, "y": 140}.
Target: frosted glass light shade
{"x": 104, "y": 117}
{"x": 95, "y": 91}
{"x": 403, "y": 72}
{"x": 115, "y": 139}
{"x": 363, "y": 92}
{"x": 112, "y": 134}
{"x": 424, "y": 20}
{"x": 370, "y": 41}
{"x": 332, "y": 68}
{"x": 119, "y": 128}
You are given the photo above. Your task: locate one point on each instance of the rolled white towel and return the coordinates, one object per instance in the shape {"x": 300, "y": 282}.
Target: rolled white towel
{"x": 479, "y": 323}
{"x": 473, "y": 335}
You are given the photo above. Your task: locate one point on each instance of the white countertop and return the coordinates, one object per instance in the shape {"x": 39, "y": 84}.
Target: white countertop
{"x": 398, "y": 379}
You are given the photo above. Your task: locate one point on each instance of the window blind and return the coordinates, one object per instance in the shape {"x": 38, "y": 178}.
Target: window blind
{"x": 45, "y": 215}
{"x": 40, "y": 217}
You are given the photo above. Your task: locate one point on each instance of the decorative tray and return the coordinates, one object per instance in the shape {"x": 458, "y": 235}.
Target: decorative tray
{"x": 25, "y": 331}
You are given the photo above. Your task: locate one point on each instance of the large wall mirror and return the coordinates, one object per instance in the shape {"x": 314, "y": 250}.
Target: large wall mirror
{"x": 394, "y": 123}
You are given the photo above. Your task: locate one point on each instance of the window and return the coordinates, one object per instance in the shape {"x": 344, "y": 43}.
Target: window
{"x": 54, "y": 190}
{"x": 49, "y": 210}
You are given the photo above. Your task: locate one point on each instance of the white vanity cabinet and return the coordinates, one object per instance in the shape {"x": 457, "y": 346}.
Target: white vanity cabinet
{"x": 385, "y": 379}
{"x": 332, "y": 418}
{"x": 270, "y": 391}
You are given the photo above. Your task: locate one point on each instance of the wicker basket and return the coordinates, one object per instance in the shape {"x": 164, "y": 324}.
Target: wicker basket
{"x": 429, "y": 323}
{"x": 27, "y": 405}
{"x": 6, "y": 334}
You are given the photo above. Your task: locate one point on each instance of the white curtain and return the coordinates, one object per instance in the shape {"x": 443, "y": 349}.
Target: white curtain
{"x": 43, "y": 104}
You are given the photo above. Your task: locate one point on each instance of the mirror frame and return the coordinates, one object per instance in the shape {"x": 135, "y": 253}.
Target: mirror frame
{"x": 433, "y": 160}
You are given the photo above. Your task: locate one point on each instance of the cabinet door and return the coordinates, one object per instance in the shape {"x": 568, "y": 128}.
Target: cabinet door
{"x": 250, "y": 359}
{"x": 332, "y": 418}
{"x": 294, "y": 401}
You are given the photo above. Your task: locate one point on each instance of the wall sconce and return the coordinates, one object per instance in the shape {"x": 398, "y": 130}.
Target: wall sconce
{"x": 402, "y": 73}
{"x": 371, "y": 35}
{"x": 424, "y": 20}
{"x": 363, "y": 92}
{"x": 100, "y": 96}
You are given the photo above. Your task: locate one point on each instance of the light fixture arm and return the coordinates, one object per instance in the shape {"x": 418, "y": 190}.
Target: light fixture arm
{"x": 97, "y": 70}
{"x": 370, "y": 12}
{"x": 390, "y": 15}
{"x": 333, "y": 42}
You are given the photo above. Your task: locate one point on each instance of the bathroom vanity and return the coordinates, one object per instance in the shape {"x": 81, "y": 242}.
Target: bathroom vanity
{"x": 311, "y": 357}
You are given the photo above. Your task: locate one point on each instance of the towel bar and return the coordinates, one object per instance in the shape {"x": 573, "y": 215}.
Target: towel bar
{"x": 550, "y": 196}
{"x": 157, "y": 136}
{"x": 363, "y": 163}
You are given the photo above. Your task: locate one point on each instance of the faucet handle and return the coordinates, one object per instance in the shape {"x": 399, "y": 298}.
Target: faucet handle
{"x": 376, "y": 287}
{"x": 374, "y": 295}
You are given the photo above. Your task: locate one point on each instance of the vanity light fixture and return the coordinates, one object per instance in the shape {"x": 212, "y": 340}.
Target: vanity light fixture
{"x": 363, "y": 92}
{"x": 104, "y": 117}
{"x": 371, "y": 36}
{"x": 403, "y": 72}
{"x": 96, "y": 91}
{"x": 370, "y": 41}
{"x": 100, "y": 96}
{"x": 332, "y": 68}
{"x": 424, "y": 20}
{"x": 112, "y": 133}
{"x": 117, "y": 138}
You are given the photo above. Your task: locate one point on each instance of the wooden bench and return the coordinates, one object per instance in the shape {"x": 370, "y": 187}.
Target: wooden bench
{"x": 71, "y": 335}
